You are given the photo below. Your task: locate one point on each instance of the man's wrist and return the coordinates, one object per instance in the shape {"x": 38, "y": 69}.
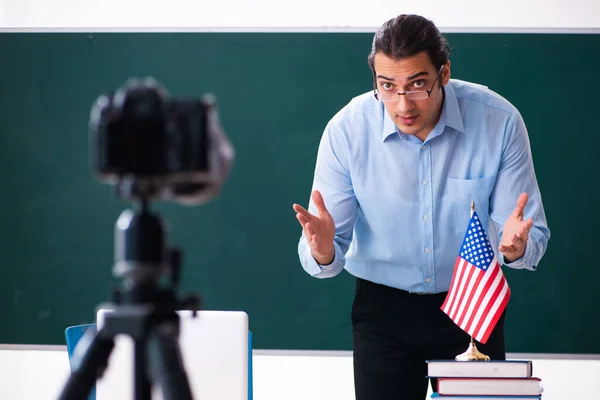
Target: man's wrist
{"x": 327, "y": 260}
{"x": 508, "y": 260}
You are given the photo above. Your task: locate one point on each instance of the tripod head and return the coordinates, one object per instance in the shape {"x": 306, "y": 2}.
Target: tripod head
{"x": 150, "y": 147}
{"x": 142, "y": 258}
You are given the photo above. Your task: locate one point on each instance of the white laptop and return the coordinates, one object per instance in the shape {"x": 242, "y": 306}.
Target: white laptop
{"x": 214, "y": 347}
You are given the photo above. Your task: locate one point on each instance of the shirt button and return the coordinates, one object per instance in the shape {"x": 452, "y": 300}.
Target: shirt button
{"x": 426, "y": 217}
{"x": 424, "y": 147}
{"x": 427, "y": 280}
{"x": 425, "y": 182}
{"x": 427, "y": 250}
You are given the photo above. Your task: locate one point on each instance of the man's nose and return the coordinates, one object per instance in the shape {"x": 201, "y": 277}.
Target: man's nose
{"x": 404, "y": 104}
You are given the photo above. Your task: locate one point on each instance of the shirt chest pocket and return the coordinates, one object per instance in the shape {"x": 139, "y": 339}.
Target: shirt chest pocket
{"x": 480, "y": 186}
{"x": 460, "y": 193}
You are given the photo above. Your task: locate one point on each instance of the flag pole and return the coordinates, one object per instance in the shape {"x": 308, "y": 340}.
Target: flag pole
{"x": 472, "y": 354}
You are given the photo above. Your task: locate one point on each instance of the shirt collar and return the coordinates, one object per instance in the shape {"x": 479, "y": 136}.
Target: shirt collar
{"x": 450, "y": 116}
{"x": 451, "y": 111}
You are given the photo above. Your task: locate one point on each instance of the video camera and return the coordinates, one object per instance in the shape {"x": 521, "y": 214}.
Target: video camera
{"x": 151, "y": 147}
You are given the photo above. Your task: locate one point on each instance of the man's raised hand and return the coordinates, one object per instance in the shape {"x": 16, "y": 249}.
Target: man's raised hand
{"x": 516, "y": 232}
{"x": 319, "y": 230}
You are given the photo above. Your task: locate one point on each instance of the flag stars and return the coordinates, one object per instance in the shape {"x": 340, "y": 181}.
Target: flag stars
{"x": 476, "y": 247}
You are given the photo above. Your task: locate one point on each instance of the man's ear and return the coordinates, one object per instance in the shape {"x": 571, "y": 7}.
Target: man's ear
{"x": 446, "y": 73}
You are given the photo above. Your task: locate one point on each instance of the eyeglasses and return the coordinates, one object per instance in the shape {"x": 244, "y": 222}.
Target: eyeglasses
{"x": 388, "y": 97}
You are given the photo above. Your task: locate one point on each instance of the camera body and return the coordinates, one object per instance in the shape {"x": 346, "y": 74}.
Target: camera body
{"x": 156, "y": 147}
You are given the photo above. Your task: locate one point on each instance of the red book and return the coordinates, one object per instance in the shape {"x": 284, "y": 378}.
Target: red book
{"x": 490, "y": 386}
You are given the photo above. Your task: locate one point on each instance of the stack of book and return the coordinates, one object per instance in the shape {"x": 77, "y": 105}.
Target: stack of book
{"x": 485, "y": 380}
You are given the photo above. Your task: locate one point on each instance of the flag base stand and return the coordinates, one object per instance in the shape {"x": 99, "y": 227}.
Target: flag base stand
{"x": 472, "y": 354}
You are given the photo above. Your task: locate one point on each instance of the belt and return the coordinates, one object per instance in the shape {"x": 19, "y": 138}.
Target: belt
{"x": 428, "y": 293}
{"x": 367, "y": 283}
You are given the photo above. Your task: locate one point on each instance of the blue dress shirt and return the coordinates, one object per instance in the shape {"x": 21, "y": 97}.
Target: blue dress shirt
{"x": 401, "y": 206}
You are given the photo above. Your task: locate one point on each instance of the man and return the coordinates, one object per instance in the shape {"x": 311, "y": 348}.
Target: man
{"x": 396, "y": 171}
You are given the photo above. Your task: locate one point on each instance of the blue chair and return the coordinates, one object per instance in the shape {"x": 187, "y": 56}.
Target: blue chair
{"x": 74, "y": 333}
{"x": 249, "y": 365}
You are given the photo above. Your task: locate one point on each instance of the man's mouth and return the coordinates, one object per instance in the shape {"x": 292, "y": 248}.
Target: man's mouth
{"x": 408, "y": 120}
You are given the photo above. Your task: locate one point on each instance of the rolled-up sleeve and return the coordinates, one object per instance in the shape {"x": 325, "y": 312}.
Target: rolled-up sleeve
{"x": 517, "y": 175}
{"x": 332, "y": 179}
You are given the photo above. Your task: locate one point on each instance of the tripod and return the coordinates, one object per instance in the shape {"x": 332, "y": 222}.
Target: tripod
{"x": 143, "y": 310}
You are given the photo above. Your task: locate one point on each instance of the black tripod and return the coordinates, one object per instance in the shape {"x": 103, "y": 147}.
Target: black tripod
{"x": 143, "y": 310}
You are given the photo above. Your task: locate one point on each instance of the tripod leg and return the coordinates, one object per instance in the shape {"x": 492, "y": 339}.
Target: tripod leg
{"x": 143, "y": 386}
{"x": 91, "y": 366}
{"x": 166, "y": 364}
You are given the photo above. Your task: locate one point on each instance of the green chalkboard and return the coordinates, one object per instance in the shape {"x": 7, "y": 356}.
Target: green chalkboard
{"x": 276, "y": 92}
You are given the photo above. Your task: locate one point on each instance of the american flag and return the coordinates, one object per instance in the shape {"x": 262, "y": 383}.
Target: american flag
{"x": 479, "y": 292}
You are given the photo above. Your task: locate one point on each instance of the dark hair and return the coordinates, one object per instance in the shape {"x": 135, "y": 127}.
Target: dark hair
{"x": 407, "y": 35}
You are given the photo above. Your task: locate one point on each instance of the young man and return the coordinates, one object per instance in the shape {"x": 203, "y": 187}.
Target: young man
{"x": 396, "y": 171}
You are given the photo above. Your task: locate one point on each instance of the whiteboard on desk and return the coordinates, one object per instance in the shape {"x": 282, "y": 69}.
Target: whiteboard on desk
{"x": 214, "y": 348}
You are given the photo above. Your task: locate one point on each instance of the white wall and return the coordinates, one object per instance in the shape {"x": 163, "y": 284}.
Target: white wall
{"x": 317, "y": 14}
{"x": 35, "y": 374}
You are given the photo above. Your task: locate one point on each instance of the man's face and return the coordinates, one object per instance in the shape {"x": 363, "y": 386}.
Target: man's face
{"x": 412, "y": 117}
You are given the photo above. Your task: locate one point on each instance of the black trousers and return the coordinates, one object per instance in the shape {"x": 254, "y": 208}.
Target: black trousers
{"x": 394, "y": 332}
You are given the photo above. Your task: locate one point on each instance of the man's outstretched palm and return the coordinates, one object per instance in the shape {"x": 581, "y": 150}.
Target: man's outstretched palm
{"x": 319, "y": 230}
{"x": 516, "y": 232}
